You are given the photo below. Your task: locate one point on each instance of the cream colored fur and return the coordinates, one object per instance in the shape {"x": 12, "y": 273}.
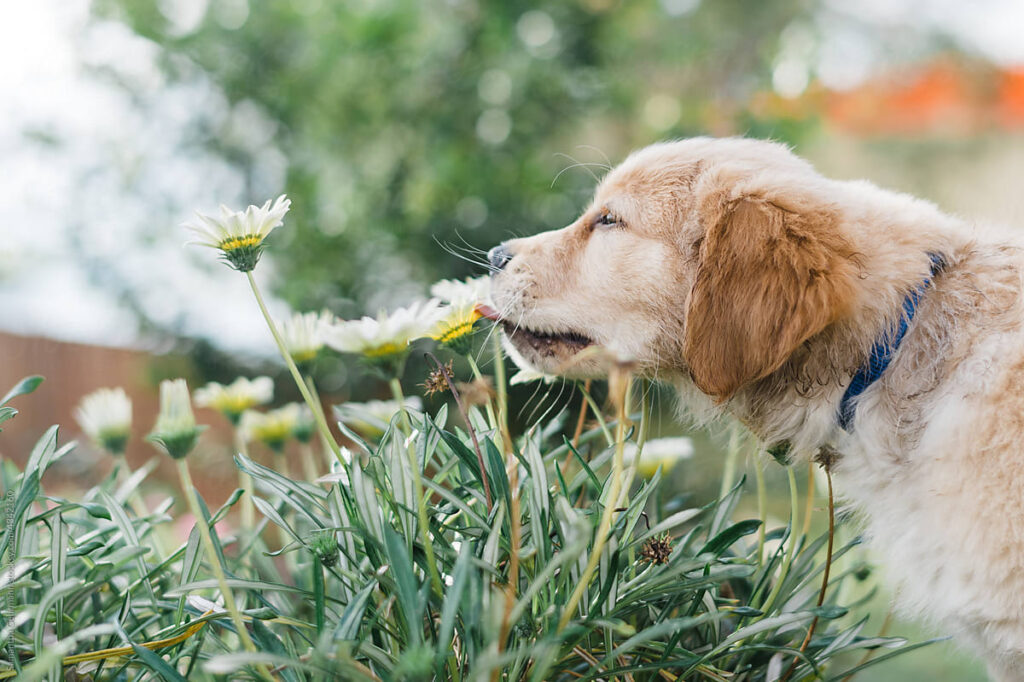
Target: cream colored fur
{"x": 935, "y": 459}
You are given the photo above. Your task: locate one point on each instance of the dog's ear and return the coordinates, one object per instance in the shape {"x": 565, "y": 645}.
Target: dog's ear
{"x": 768, "y": 278}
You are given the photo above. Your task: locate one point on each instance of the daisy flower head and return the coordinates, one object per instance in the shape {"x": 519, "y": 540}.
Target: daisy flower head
{"x": 239, "y": 235}
{"x": 373, "y": 417}
{"x": 659, "y": 453}
{"x": 455, "y": 325}
{"x": 105, "y": 416}
{"x": 384, "y": 338}
{"x": 237, "y": 397}
{"x": 175, "y": 429}
{"x": 271, "y": 428}
{"x": 303, "y": 335}
{"x": 305, "y": 425}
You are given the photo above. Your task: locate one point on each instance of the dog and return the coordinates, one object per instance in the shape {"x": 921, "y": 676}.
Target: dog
{"x": 821, "y": 314}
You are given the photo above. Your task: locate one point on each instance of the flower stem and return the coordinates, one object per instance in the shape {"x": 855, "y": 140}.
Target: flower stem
{"x": 501, "y": 385}
{"x": 314, "y": 405}
{"x": 248, "y": 509}
{"x": 218, "y": 570}
{"x": 326, "y": 442}
{"x": 731, "y": 455}
{"x": 794, "y": 539}
{"x": 491, "y": 418}
{"x": 610, "y": 501}
{"x": 421, "y": 502}
{"x": 762, "y": 507}
{"x": 597, "y": 414}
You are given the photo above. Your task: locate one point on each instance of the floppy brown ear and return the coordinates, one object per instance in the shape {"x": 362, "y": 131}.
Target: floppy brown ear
{"x": 767, "y": 280}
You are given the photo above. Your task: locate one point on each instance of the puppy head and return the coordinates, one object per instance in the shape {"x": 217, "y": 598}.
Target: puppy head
{"x": 713, "y": 258}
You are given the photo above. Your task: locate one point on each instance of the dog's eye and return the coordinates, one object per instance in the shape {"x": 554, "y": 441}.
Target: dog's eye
{"x": 607, "y": 219}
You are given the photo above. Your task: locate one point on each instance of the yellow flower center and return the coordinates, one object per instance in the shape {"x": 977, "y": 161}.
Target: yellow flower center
{"x": 232, "y": 243}
{"x": 273, "y": 432}
{"x": 304, "y": 356}
{"x": 385, "y": 350}
{"x": 456, "y": 332}
{"x": 233, "y": 404}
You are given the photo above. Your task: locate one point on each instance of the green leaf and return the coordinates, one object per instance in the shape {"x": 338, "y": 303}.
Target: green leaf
{"x": 405, "y": 582}
{"x": 885, "y": 657}
{"x": 7, "y": 413}
{"x": 158, "y": 665}
{"x": 131, "y": 538}
{"x": 23, "y": 387}
{"x": 348, "y": 625}
{"x": 52, "y": 596}
{"x": 724, "y": 540}
{"x": 41, "y": 454}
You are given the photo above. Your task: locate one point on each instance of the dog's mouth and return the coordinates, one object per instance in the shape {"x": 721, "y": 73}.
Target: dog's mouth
{"x": 546, "y": 343}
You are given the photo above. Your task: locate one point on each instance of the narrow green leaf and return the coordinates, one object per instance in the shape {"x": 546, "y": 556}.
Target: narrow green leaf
{"x": 348, "y": 625}
{"x": 405, "y": 580}
{"x": 23, "y": 387}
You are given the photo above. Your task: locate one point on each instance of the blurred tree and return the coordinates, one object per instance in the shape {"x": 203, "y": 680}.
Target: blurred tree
{"x": 410, "y": 124}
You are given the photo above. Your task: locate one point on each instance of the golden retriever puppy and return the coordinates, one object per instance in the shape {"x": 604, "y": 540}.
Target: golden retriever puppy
{"x": 818, "y": 313}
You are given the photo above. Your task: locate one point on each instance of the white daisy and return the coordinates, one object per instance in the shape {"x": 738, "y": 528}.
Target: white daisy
{"x": 239, "y": 235}
{"x": 271, "y": 428}
{"x": 237, "y": 397}
{"x": 373, "y": 417}
{"x": 303, "y": 335}
{"x": 385, "y": 336}
{"x": 175, "y": 428}
{"x": 454, "y": 327}
{"x": 105, "y": 415}
{"x": 459, "y": 292}
{"x": 661, "y": 453}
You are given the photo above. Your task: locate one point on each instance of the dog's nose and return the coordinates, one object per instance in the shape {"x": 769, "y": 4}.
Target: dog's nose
{"x": 499, "y": 256}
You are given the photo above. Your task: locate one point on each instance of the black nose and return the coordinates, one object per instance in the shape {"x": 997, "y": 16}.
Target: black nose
{"x": 499, "y": 256}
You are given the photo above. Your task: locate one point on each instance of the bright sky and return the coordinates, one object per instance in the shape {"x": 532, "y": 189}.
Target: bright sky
{"x": 79, "y": 195}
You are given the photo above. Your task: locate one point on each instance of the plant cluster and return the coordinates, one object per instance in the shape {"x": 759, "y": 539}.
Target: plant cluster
{"x": 431, "y": 547}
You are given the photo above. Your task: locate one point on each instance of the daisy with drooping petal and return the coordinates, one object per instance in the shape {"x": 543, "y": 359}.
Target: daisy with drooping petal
{"x": 386, "y": 336}
{"x": 373, "y": 417}
{"x": 237, "y": 397}
{"x": 657, "y": 453}
{"x": 303, "y": 335}
{"x": 271, "y": 428}
{"x": 454, "y": 328}
{"x": 105, "y": 416}
{"x": 239, "y": 235}
{"x": 175, "y": 429}
{"x": 525, "y": 376}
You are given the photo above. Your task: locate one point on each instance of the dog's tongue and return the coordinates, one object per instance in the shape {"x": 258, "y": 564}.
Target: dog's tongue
{"x": 488, "y": 312}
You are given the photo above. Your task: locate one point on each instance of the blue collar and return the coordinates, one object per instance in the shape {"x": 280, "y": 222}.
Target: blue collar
{"x": 883, "y": 349}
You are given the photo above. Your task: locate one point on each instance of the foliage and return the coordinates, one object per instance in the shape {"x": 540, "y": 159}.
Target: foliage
{"x": 347, "y": 594}
{"x": 410, "y": 124}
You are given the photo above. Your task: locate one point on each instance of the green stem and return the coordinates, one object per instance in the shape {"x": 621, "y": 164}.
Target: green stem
{"x": 318, "y": 593}
{"x": 731, "y": 455}
{"x": 762, "y": 507}
{"x": 794, "y": 512}
{"x": 597, "y": 414}
{"x": 248, "y": 508}
{"x": 211, "y": 551}
{"x": 491, "y": 418}
{"x": 606, "y": 515}
{"x": 323, "y": 439}
{"x": 314, "y": 405}
{"x": 421, "y": 502}
{"x": 501, "y": 385}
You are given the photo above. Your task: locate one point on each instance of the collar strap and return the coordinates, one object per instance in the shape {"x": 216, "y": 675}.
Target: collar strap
{"x": 884, "y": 348}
